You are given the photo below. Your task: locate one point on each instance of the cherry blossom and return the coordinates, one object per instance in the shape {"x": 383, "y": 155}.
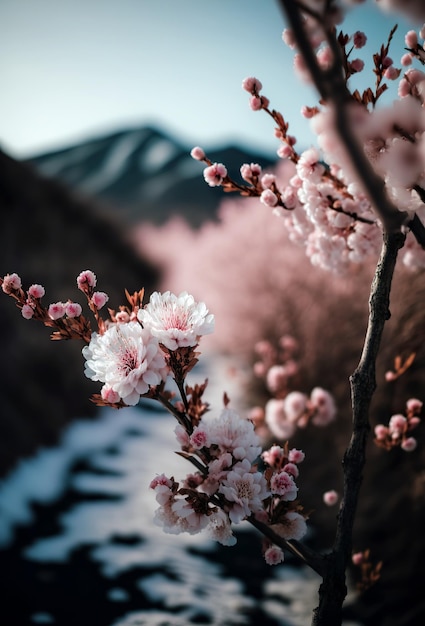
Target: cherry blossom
{"x": 176, "y": 321}
{"x": 244, "y": 491}
{"x": 127, "y": 358}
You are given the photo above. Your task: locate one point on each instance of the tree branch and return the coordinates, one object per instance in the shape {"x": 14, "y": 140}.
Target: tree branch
{"x": 332, "y": 87}
{"x": 363, "y": 384}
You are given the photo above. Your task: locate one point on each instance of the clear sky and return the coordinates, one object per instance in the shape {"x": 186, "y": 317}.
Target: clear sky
{"x": 73, "y": 69}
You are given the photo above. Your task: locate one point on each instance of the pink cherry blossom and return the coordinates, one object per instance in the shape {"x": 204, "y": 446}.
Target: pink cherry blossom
{"x": 296, "y": 456}
{"x": 269, "y": 198}
{"x": 27, "y": 311}
{"x": 199, "y": 438}
{"x": 219, "y": 528}
{"x": 359, "y": 39}
{"x": 283, "y": 485}
{"x": 214, "y": 174}
{"x": 409, "y": 444}
{"x": 36, "y": 291}
{"x": 127, "y": 358}
{"x": 73, "y": 309}
{"x": 411, "y": 39}
{"x": 250, "y": 171}
{"x": 99, "y": 299}
{"x": 273, "y": 555}
{"x": 177, "y": 321}
{"x": 256, "y": 103}
{"x": 273, "y": 456}
{"x": 56, "y": 310}
{"x": 86, "y": 279}
{"x": 252, "y": 85}
{"x": 330, "y": 497}
{"x": 414, "y": 405}
{"x": 197, "y": 153}
{"x": 244, "y": 491}
{"x": 11, "y": 282}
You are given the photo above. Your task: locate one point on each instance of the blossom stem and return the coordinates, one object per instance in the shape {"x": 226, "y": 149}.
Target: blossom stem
{"x": 182, "y": 419}
{"x": 309, "y": 557}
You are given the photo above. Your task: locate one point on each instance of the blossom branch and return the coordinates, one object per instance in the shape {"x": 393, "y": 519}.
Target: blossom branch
{"x": 332, "y": 87}
{"x": 307, "y": 556}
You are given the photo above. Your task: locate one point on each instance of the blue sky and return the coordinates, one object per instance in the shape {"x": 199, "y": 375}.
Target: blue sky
{"x": 72, "y": 69}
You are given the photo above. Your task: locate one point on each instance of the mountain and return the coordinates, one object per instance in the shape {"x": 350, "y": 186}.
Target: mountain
{"x": 144, "y": 173}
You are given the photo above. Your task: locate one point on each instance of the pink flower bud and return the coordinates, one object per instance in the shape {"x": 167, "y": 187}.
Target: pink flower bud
{"x": 199, "y": 438}
{"x": 214, "y": 174}
{"x": 411, "y": 39}
{"x": 391, "y": 73}
{"x": 359, "y": 39}
{"x": 381, "y": 431}
{"x": 296, "y": 456}
{"x": 197, "y": 153}
{"x": 73, "y": 309}
{"x": 27, "y": 311}
{"x": 285, "y": 151}
{"x": 250, "y": 171}
{"x": 268, "y": 180}
{"x": 406, "y": 59}
{"x": 330, "y": 497}
{"x": 409, "y": 444}
{"x": 99, "y": 299}
{"x": 256, "y": 103}
{"x": 86, "y": 279}
{"x": 56, "y": 310}
{"x": 273, "y": 555}
{"x": 356, "y": 65}
{"x": 268, "y": 198}
{"x": 36, "y": 291}
{"x": 252, "y": 85}
{"x": 414, "y": 406}
{"x": 274, "y": 456}
{"x": 397, "y": 424}
{"x": 292, "y": 469}
{"x": 11, "y": 282}
{"x": 161, "y": 479}
{"x": 389, "y": 376}
{"x": 387, "y": 62}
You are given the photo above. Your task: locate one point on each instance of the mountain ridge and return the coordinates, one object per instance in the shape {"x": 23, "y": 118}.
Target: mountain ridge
{"x": 144, "y": 173}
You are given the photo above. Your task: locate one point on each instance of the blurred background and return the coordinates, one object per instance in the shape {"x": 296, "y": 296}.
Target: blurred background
{"x": 101, "y": 103}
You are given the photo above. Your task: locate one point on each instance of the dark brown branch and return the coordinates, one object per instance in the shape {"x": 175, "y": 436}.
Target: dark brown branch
{"x": 363, "y": 383}
{"x": 316, "y": 561}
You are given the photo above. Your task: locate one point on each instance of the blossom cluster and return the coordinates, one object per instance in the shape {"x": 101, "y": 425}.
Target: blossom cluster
{"x": 397, "y": 433}
{"x": 132, "y": 351}
{"x": 288, "y": 409}
{"x": 322, "y": 202}
{"x": 228, "y": 486}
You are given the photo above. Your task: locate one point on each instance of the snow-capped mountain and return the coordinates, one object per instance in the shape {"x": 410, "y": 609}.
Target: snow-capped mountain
{"x": 144, "y": 172}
